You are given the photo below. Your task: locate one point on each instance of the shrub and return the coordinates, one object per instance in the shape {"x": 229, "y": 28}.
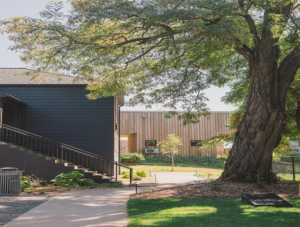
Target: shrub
{"x": 72, "y": 179}
{"x": 274, "y": 178}
{"x": 136, "y": 177}
{"x": 132, "y": 158}
{"x": 141, "y": 173}
{"x": 24, "y": 183}
{"x": 126, "y": 175}
{"x": 112, "y": 185}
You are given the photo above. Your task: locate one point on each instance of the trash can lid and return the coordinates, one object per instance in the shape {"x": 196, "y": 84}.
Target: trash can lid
{"x": 8, "y": 169}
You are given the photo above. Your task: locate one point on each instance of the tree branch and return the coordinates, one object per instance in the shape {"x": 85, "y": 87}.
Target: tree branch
{"x": 252, "y": 27}
{"x": 288, "y": 68}
{"x": 245, "y": 51}
{"x": 143, "y": 54}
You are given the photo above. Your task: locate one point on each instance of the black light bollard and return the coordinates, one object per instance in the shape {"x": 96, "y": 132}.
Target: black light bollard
{"x": 133, "y": 186}
{"x": 293, "y": 166}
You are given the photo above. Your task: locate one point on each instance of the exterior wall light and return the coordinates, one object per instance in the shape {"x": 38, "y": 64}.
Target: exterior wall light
{"x": 144, "y": 116}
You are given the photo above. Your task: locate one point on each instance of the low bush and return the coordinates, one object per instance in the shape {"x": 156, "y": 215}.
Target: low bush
{"x": 141, "y": 173}
{"x": 136, "y": 177}
{"x": 185, "y": 160}
{"x": 126, "y": 175}
{"x": 274, "y": 178}
{"x": 72, "y": 179}
{"x": 112, "y": 185}
{"x": 132, "y": 158}
{"x": 24, "y": 183}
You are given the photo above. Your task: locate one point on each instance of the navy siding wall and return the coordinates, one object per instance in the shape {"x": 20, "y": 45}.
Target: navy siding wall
{"x": 63, "y": 113}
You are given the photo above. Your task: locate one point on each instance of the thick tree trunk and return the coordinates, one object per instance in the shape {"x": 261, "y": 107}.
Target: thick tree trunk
{"x": 260, "y": 129}
{"x": 172, "y": 162}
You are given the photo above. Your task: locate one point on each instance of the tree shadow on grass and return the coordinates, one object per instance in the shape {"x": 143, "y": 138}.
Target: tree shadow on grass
{"x": 210, "y": 212}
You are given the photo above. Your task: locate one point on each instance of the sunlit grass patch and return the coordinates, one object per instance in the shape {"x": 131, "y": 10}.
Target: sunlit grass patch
{"x": 210, "y": 212}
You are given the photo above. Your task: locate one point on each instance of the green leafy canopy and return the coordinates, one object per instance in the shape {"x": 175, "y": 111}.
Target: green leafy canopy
{"x": 160, "y": 51}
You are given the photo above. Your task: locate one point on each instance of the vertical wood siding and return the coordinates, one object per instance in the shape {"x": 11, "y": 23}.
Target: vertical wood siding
{"x": 124, "y": 146}
{"x": 63, "y": 113}
{"x": 156, "y": 127}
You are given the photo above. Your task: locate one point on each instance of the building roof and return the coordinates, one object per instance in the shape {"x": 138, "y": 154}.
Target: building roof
{"x": 17, "y": 76}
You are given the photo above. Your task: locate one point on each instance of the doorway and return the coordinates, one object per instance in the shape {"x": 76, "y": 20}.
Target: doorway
{"x": 128, "y": 143}
{"x": 12, "y": 111}
{"x": 12, "y": 115}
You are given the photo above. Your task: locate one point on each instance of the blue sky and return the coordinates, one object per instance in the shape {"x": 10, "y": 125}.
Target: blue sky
{"x": 9, "y": 59}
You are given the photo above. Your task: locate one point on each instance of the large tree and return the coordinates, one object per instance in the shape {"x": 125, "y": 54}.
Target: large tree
{"x": 168, "y": 51}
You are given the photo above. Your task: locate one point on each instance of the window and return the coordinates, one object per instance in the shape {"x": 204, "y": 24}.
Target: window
{"x": 196, "y": 143}
{"x": 150, "y": 143}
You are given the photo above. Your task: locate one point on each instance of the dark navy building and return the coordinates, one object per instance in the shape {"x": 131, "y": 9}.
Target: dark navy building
{"x": 56, "y": 110}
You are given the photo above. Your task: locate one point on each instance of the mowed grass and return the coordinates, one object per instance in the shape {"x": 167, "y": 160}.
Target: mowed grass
{"x": 288, "y": 177}
{"x": 204, "y": 166}
{"x": 210, "y": 212}
{"x": 179, "y": 168}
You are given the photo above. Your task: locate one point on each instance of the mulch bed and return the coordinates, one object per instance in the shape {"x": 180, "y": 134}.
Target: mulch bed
{"x": 57, "y": 190}
{"x": 222, "y": 190}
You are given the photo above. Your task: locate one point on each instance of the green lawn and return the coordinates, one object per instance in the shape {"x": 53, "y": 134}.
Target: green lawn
{"x": 213, "y": 166}
{"x": 210, "y": 212}
{"x": 203, "y": 166}
{"x": 288, "y": 177}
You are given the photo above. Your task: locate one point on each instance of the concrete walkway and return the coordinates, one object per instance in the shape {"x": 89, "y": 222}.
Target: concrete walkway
{"x": 97, "y": 207}
{"x": 176, "y": 177}
{"x": 89, "y": 208}
{"x": 170, "y": 179}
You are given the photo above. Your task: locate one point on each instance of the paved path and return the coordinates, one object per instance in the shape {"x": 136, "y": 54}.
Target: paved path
{"x": 169, "y": 179}
{"x": 90, "y": 208}
{"x": 176, "y": 177}
{"x": 97, "y": 207}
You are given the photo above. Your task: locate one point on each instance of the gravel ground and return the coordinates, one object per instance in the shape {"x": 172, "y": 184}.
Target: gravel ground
{"x": 12, "y": 207}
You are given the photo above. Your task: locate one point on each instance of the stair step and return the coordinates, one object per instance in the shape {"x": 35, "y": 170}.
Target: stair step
{"x": 69, "y": 164}
{"x": 113, "y": 180}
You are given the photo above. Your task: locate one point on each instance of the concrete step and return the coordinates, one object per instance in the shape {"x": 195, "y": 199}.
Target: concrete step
{"x": 70, "y": 164}
{"x": 12, "y": 149}
{"x": 118, "y": 181}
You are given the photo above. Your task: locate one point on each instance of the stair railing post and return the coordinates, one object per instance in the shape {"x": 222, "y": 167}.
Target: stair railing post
{"x": 116, "y": 173}
{"x": 1, "y": 114}
{"x": 62, "y": 153}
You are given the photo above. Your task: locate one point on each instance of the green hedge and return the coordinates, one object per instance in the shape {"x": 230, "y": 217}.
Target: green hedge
{"x": 132, "y": 158}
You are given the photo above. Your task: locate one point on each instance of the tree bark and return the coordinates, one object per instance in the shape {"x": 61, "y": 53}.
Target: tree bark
{"x": 172, "y": 162}
{"x": 259, "y": 132}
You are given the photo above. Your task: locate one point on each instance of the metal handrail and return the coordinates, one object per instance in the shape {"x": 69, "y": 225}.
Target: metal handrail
{"x": 61, "y": 151}
{"x": 52, "y": 141}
